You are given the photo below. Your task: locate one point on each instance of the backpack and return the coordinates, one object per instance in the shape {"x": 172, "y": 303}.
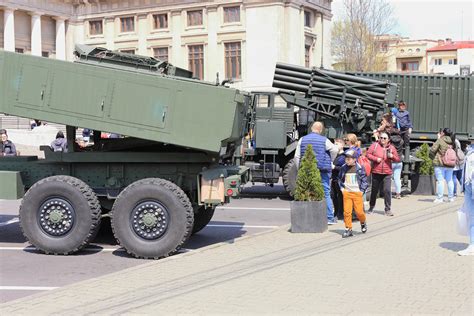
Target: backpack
{"x": 365, "y": 163}
{"x": 449, "y": 158}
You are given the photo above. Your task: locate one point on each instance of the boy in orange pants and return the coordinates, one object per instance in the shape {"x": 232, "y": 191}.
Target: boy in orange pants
{"x": 353, "y": 183}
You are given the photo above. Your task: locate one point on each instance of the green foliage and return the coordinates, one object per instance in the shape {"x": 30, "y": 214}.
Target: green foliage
{"x": 426, "y": 167}
{"x": 308, "y": 182}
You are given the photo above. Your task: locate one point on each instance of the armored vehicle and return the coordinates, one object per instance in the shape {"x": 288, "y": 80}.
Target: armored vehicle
{"x": 158, "y": 184}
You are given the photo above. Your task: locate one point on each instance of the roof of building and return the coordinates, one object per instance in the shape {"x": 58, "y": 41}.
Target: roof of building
{"x": 452, "y": 46}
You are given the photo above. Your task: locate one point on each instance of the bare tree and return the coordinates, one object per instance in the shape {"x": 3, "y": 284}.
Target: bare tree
{"x": 354, "y": 41}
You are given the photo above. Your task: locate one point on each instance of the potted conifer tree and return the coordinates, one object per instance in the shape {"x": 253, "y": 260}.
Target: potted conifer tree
{"x": 308, "y": 210}
{"x": 422, "y": 182}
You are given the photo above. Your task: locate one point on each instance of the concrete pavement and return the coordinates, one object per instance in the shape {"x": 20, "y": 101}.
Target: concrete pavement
{"x": 404, "y": 264}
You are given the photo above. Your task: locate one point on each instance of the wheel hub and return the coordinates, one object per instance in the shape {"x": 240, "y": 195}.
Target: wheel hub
{"x": 56, "y": 217}
{"x": 149, "y": 220}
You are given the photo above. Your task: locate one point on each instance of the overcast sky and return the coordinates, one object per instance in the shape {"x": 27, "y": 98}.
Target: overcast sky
{"x": 430, "y": 19}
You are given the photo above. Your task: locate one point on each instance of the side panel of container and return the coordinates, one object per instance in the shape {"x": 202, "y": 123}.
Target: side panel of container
{"x": 180, "y": 112}
{"x": 435, "y": 102}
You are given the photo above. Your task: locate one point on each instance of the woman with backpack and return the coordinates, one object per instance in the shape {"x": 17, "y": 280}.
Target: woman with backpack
{"x": 444, "y": 160}
{"x": 397, "y": 141}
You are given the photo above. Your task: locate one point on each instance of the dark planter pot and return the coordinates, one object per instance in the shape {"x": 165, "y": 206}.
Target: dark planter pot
{"x": 308, "y": 217}
{"x": 423, "y": 185}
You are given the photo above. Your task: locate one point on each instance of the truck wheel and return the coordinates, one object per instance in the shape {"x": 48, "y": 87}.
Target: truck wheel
{"x": 202, "y": 217}
{"x": 152, "y": 218}
{"x": 60, "y": 215}
{"x": 289, "y": 177}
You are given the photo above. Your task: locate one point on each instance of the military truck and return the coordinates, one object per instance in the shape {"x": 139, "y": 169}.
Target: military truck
{"x": 158, "y": 185}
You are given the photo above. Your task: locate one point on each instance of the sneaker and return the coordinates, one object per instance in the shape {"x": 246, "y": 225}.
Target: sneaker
{"x": 438, "y": 200}
{"x": 332, "y": 221}
{"x": 347, "y": 233}
{"x": 388, "y": 213}
{"x": 469, "y": 251}
{"x": 398, "y": 196}
{"x": 370, "y": 210}
{"x": 450, "y": 200}
{"x": 363, "y": 227}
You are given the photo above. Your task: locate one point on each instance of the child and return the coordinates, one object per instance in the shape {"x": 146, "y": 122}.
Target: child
{"x": 353, "y": 184}
{"x": 404, "y": 122}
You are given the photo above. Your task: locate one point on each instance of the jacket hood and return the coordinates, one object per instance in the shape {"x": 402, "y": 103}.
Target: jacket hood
{"x": 58, "y": 141}
{"x": 447, "y": 140}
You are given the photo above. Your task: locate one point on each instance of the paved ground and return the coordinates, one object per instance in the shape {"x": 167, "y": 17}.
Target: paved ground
{"x": 404, "y": 264}
{"x": 24, "y": 271}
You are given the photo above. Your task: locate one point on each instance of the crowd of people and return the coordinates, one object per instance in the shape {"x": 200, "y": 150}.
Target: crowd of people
{"x": 347, "y": 170}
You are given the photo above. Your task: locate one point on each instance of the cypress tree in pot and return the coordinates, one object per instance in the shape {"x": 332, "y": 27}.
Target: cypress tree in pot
{"x": 308, "y": 210}
{"x": 422, "y": 181}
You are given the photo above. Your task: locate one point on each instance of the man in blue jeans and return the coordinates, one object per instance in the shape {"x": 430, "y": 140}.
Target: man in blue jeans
{"x": 325, "y": 152}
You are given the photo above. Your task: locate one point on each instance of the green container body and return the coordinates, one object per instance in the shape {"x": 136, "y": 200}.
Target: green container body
{"x": 435, "y": 101}
{"x": 171, "y": 110}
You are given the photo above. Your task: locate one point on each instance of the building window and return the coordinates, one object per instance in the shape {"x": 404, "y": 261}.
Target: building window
{"x": 438, "y": 61}
{"x": 384, "y": 47}
{"x": 128, "y": 51}
{"x": 231, "y": 14}
{"x": 19, "y": 50}
{"x": 161, "y": 53}
{"x": 453, "y": 61}
{"x": 410, "y": 66}
{"x": 307, "y": 59}
{"x": 233, "y": 61}
{"x": 194, "y": 18}
{"x": 160, "y": 21}
{"x": 402, "y": 50}
{"x": 417, "y": 50}
{"x": 45, "y": 54}
{"x": 127, "y": 24}
{"x": 307, "y": 19}
{"x": 95, "y": 28}
{"x": 196, "y": 60}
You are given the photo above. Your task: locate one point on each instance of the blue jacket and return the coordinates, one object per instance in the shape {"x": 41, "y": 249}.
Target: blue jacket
{"x": 319, "y": 147}
{"x": 403, "y": 119}
{"x": 361, "y": 177}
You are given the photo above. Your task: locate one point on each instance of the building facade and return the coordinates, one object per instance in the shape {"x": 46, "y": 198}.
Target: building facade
{"x": 451, "y": 58}
{"x": 238, "y": 39}
{"x": 404, "y": 55}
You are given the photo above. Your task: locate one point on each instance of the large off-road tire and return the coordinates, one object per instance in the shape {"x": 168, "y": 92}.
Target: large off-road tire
{"x": 289, "y": 177}
{"x": 202, "y": 217}
{"x": 60, "y": 215}
{"x": 152, "y": 218}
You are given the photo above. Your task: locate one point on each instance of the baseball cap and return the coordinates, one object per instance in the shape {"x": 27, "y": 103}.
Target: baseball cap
{"x": 350, "y": 153}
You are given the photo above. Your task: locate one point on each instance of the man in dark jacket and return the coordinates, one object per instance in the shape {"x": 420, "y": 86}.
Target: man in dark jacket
{"x": 7, "y": 147}
{"x": 325, "y": 152}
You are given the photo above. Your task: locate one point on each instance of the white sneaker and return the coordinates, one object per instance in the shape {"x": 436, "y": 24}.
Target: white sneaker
{"x": 469, "y": 251}
{"x": 438, "y": 201}
{"x": 451, "y": 200}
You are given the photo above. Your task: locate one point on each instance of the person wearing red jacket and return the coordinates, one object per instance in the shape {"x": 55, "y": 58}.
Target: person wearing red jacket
{"x": 382, "y": 154}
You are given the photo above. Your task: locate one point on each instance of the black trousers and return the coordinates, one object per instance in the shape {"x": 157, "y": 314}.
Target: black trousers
{"x": 336, "y": 196}
{"x": 383, "y": 181}
{"x": 406, "y": 138}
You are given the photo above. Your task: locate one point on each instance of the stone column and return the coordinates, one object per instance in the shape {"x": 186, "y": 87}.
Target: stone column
{"x": 178, "y": 53}
{"x": 214, "y": 60}
{"x": 9, "y": 30}
{"x": 60, "y": 38}
{"x": 109, "y": 30}
{"x": 142, "y": 31}
{"x": 35, "y": 34}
